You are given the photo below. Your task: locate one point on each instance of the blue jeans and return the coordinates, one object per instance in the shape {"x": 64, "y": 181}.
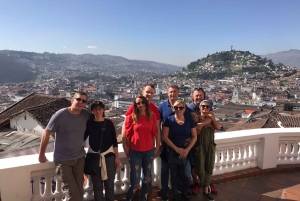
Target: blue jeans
{"x": 140, "y": 160}
{"x": 183, "y": 173}
{"x": 164, "y": 178}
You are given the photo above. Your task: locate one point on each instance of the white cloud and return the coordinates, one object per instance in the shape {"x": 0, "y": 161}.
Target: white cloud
{"x": 64, "y": 47}
{"x": 92, "y": 47}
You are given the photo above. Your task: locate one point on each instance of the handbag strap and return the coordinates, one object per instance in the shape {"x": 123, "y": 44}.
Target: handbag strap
{"x": 101, "y": 136}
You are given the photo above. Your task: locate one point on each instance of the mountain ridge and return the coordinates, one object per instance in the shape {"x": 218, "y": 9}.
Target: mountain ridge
{"x": 106, "y": 65}
{"x": 290, "y": 57}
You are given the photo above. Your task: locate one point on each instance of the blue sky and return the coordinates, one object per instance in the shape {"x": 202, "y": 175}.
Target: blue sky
{"x": 169, "y": 31}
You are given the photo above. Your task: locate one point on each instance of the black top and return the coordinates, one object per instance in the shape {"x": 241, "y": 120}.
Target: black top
{"x": 93, "y": 131}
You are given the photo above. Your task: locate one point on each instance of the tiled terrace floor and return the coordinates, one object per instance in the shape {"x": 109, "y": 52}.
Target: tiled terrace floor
{"x": 271, "y": 185}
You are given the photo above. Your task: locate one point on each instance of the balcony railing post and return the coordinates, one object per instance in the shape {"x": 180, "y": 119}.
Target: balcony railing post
{"x": 298, "y": 158}
{"x": 88, "y": 189}
{"x": 247, "y": 159}
{"x": 48, "y": 187}
{"x": 241, "y": 158}
{"x": 287, "y": 151}
{"x": 235, "y": 158}
{"x": 267, "y": 151}
{"x": 58, "y": 189}
{"x": 253, "y": 156}
{"x": 294, "y": 152}
{"x": 118, "y": 183}
{"x": 36, "y": 195}
{"x": 217, "y": 162}
{"x": 126, "y": 179}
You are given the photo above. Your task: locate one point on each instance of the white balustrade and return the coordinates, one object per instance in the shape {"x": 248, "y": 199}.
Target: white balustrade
{"x": 289, "y": 152}
{"x": 263, "y": 148}
{"x": 235, "y": 156}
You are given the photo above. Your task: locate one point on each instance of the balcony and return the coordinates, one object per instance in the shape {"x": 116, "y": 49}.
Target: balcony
{"x": 23, "y": 178}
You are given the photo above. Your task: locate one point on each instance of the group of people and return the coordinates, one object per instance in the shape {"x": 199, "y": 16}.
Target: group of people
{"x": 72, "y": 126}
{"x": 187, "y": 146}
{"x": 182, "y": 135}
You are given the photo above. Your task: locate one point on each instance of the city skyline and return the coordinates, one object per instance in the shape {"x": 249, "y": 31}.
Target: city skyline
{"x": 172, "y": 32}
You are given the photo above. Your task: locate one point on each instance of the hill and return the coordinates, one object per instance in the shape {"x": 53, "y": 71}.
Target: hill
{"x": 86, "y": 66}
{"x": 12, "y": 71}
{"x": 288, "y": 58}
{"x": 234, "y": 63}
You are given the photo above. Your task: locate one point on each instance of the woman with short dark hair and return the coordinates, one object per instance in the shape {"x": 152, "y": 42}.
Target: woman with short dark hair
{"x": 109, "y": 157}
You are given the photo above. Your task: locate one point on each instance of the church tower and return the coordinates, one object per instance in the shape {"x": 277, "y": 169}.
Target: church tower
{"x": 235, "y": 96}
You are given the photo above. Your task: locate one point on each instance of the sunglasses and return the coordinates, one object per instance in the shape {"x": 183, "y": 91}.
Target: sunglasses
{"x": 142, "y": 102}
{"x": 80, "y": 100}
{"x": 205, "y": 106}
{"x": 178, "y": 108}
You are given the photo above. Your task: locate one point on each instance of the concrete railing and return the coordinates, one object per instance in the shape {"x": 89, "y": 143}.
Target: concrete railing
{"x": 23, "y": 178}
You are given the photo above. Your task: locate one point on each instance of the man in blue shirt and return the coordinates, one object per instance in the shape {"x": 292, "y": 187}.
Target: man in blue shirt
{"x": 165, "y": 110}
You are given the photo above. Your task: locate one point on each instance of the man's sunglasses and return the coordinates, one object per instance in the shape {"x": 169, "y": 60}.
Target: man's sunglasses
{"x": 178, "y": 108}
{"x": 142, "y": 102}
{"x": 205, "y": 106}
{"x": 80, "y": 100}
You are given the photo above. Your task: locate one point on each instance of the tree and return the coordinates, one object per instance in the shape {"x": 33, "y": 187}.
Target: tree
{"x": 288, "y": 107}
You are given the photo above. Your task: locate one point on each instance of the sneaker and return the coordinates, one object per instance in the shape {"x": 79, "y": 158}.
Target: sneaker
{"x": 195, "y": 188}
{"x": 208, "y": 196}
{"x": 213, "y": 189}
{"x": 175, "y": 198}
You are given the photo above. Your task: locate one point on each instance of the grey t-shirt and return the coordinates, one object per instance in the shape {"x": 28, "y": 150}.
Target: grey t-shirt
{"x": 69, "y": 134}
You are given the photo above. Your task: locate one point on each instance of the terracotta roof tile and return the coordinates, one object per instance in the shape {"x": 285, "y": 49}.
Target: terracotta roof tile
{"x": 289, "y": 121}
{"x": 43, "y": 113}
{"x": 255, "y": 123}
{"x": 32, "y": 103}
{"x": 249, "y": 111}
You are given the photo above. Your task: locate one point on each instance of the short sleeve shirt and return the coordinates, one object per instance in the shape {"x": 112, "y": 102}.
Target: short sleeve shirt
{"x": 69, "y": 134}
{"x": 141, "y": 133}
{"x": 178, "y": 134}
